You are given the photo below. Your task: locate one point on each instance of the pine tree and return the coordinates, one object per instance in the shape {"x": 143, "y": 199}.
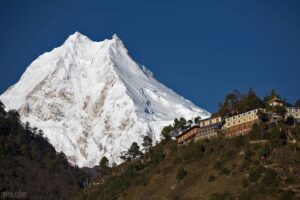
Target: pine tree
{"x": 147, "y": 143}
{"x": 13, "y": 115}
{"x": 166, "y": 132}
{"x": 2, "y": 109}
{"x": 297, "y": 103}
{"x": 197, "y": 119}
{"x": 182, "y": 124}
{"x": 134, "y": 151}
{"x": 230, "y": 105}
{"x": 274, "y": 94}
{"x": 104, "y": 166}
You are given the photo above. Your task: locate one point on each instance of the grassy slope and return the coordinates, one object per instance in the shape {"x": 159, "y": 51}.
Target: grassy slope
{"x": 164, "y": 185}
{"x": 230, "y": 161}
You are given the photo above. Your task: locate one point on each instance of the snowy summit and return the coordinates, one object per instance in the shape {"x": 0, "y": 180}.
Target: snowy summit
{"x": 92, "y": 99}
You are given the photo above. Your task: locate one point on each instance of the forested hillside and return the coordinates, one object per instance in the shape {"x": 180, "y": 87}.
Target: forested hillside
{"x": 30, "y": 168}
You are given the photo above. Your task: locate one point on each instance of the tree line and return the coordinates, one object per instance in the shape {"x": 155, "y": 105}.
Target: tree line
{"x": 236, "y": 102}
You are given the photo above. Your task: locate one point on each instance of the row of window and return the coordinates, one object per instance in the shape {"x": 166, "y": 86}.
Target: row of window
{"x": 228, "y": 124}
{"x": 293, "y": 110}
{"x": 242, "y": 115}
{"x": 206, "y": 132}
{"x": 210, "y": 121}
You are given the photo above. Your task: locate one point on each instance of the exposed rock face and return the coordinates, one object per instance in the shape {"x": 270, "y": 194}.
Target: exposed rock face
{"x": 92, "y": 100}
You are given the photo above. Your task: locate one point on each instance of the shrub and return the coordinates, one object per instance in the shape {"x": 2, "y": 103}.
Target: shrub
{"x": 264, "y": 152}
{"x": 245, "y": 183}
{"x": 215, "y": 196}
{"x": 167, "y": 169}
{"x": 255, "y": 174}
{"x": 198, "y": 150}
{"x": 211, "y": 178}
{"x": 270, "y": 179}
{"x": 255, "y": 162}
{"x": 157, "y": 154}
{"x": 256, "y": 132}
{"x": 218, "y": 165}
{"x": 141, "y": 180}
{"x": 229, "y": 155}
{"x": 181, "y": 173}
{"x": 239, "y": 141}
{"x": 286, "y": 195}
{"x": 290, "y": 180}
{"x": 176, "y": 161}
{"x": 187, "y": 156}
{"x": 172, "y": 146}
{"x": 222, "y": 196}
{"x": 193, "y": 152}
{"x": 248, "y": 155}
{"x": 247, "y": 195}
{"x": 224, "y": 171}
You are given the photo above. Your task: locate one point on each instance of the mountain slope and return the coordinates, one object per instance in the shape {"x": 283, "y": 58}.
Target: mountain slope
{"x": 215, "y": 169}
{"x": 91, "y": 99}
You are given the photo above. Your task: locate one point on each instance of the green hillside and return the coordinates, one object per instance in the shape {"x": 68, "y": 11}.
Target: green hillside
{"x": 237, "y": 168}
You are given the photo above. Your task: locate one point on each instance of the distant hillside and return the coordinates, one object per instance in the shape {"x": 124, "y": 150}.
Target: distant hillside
{"x": 30, "y": 168}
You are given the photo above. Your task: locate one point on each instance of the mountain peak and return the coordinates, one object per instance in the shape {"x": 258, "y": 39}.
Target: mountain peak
{"x": 115, "y": 37}
{"x": 77, "y": 37}
{"x": 117, "y": 40}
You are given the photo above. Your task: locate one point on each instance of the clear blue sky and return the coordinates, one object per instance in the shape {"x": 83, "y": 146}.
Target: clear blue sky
{"x": 200, "y": 49}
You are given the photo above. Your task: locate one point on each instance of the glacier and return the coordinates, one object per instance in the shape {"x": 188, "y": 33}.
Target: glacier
{"x": 92, "y": 99}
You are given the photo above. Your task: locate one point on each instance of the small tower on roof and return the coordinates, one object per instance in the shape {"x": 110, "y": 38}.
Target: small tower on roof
{"x": 275, "y": 101}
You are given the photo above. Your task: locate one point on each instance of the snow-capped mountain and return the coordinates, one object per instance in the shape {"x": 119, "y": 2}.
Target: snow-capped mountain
{"x": 92, "y": 99}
